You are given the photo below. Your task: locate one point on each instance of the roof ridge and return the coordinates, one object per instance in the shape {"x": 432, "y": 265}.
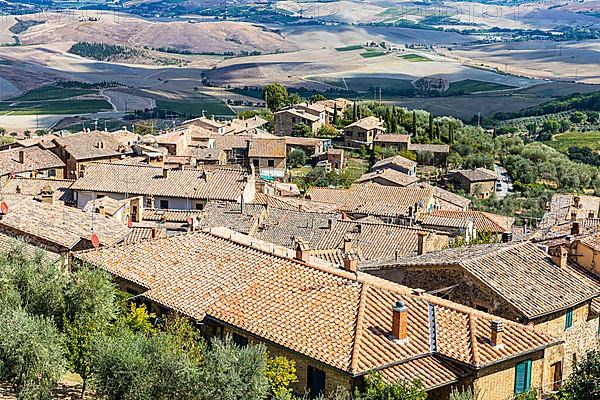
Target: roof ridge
{"x": 473, "y": 336}
{"x": 358, "y": 331}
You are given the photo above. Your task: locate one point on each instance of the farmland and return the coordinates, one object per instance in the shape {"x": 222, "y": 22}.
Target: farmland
{"x": 53, "y": 92}
{"x": 54, "y": 107}
{"x": 414, "y": 57}
{"x": 563, "y": 141}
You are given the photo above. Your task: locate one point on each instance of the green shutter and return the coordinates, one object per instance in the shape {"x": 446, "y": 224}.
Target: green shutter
{"x": 569, "y": 318}
{"x": 523, "y": 376}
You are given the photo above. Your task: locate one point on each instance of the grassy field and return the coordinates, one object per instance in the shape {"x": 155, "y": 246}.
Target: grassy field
{"x": 53, "y": 93}
{"x": 54, "y": 107}
{"x": 563, "y": 141}
{"x": 472, "y": 86}
{"x": 372, "y": 53}
{"x": 350, "y": 48}
{"x": 195, "y": 108}
{"x": 414, "y": 57}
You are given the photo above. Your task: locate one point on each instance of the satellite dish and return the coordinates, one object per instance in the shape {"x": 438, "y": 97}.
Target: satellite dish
{"x": 4, "y": 208}
{"x": 95, "y": 241}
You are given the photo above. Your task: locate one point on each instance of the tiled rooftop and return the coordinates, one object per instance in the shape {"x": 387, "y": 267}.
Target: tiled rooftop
{"x": 267, "y": 148}
{"x": 521, "y": 273}
{"x": 34, "y": 158}
{"x": 391, "y": 175}
{"x": 482, "y": 221}
{"x": 397, "y": 160}
{"x": 477, "y": 174}
{"x": 392, "y": 138}
{"x": 368, "y": 123}
{"x": 32, "y": 187}
{"x": 230, "y": 215}
{"x": 92, "y": 145}
{"x": 60, "y": 224}
{"x": 339, "y": 318}
{"x": 214, "y": 183}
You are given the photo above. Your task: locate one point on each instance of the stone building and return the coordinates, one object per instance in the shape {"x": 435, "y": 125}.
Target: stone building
{"x": 363, "y": 132}
{"x": 29, "y": 162}
{"x": 480, "y": 181}
{"x": 286, "y": 120}
{"x": 337, "y": 324}
{"x": 396, "y": 163}
{"x": 517, "y": 281}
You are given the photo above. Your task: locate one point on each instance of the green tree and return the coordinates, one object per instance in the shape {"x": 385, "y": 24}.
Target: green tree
{"x": 465, "y": 394}
{"x": 578, "y": 117}
{"x": 377, "y": 389}
{"x": 296, "y": 158}
{"x": 234, "y": 373}
{"x": 137, "y": 319}
{"x": 301, "y": 130}
{"x": 90, "y": 299}
{"x": 327, "y": 131}
{"x": 584, "y": 382}
{"x": 276, "y": 96}
{"x": 294, "y": 99}
{"x": 551, "y": 126}
{"x": 31, "y": 354}
{"x": 317, "y": 97}
{"x": 281, "y": 373}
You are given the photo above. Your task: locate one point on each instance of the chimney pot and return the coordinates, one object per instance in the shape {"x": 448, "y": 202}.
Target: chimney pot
{"x": 350, "y": 262}
{"x": 559, "y": 256}
{"x": 302, "y": 250}
{"x": 421, "y": 243}
{"x": 399, "y": 320}
{"x": 497, "y": 328}
{"x": 506, "y": 237}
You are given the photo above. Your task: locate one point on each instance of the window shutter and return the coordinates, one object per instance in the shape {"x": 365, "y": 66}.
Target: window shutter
{"x": 528, "y": 376}
{"x": 569, "y": 318}
{"x": 520, "y": 372}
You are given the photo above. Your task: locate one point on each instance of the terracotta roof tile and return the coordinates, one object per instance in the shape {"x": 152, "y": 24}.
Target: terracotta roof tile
{"x": 432, "y": 371}
{"x": 35, "y": 158}
{"x": 368, "y": 123}
{"x": 90, "y": 145}
{"x": 483, "y": 221}
{"x": 215, "y": 183}
{"x": 396, "y": 160}
{"x": 477, "y": 174}
{"x": 393, "y": 176}
{"x": 339, "y": 318}
{"x": 32, "y": 187}
{"x": 392, "y": 138}
{"x": 267, "y": 148}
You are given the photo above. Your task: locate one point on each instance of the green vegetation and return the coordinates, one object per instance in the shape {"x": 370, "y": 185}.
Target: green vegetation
{"x": 584, "y": 382}
{"x": 55, "y": 107}
{"x": 414, "y": 57}
{"x": 563, "y": 141}
{"x": 276, "y": 96}
{"x": 52, "y": 92}
{"x": 296, "y": 158}
{"x": 468, "y": 86}
{"x": 21, "y": 26}
{"x": 103, "y": 51}
{"x": 574, "y": 102}
{"x": 372, "y": 53}
{"x": 210, "y": 106}
{"x": 350, "y": 48}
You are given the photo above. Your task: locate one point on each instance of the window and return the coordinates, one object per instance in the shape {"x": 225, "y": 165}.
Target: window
{"x": 556, "y": 373}
{"x": 98, "y": 197}
{"x": 482, "y": 308}
{"x": 199, "y": 206}
{"x": 255, "y": 163}
{"x": 164, "y": 204}
{"x": 240, "y": 340}
{"x": 271, "y": 163}
{"x": 569, "y": 318}
{"x": 51, "y": 173}
{"x": 315, "y": 381}
{"x": 522, "y": 376}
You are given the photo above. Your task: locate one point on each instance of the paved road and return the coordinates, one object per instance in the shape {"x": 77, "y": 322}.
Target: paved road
{"x": 504, "y": 180}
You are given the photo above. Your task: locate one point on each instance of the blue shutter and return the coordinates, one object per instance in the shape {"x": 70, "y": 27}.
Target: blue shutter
{"x": 569, "y": 318}
{"x": 522, "y": 376}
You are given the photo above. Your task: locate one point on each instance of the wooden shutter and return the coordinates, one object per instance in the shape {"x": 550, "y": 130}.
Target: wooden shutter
{"x": 523, "y": 376}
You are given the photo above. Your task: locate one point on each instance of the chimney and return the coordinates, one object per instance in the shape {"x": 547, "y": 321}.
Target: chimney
{"x": 399, "y": 320}
{"x": 576, "y": 228}
{"x": 506, "y": 237}
{"x": 347, "y": 244}
{"x": 165, "y": 172}
{"x": 47, "y": 195}
{"x": 329, "y": 223}
{"x": 497, "y": 327}
{"x": 153, "y": 233}
{"x": 302, "y": 250}
{"x": 576, "y": 200}
{"x": 350, "y": 262}
{"x": 101, "y": 210}
{"x": 21, "y": 157}
{"x": 421, "y": 243}
{"x": 559, "y": 256}
{"x": 573, "y": 215}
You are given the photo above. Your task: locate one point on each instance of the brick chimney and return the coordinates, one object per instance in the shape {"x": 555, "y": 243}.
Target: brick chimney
{"x": 350, "y": 262}
{"x": 422, "y": 243}
{"x": 559, "y": 256}
{"x": 497, "y": 333}
{"x": 576, "y": 228}
{"x": 21, "y": 157}
{"x": 399, "y": 320}
{"x": 347, "y": 244}
{"x": 302, "y": 250}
